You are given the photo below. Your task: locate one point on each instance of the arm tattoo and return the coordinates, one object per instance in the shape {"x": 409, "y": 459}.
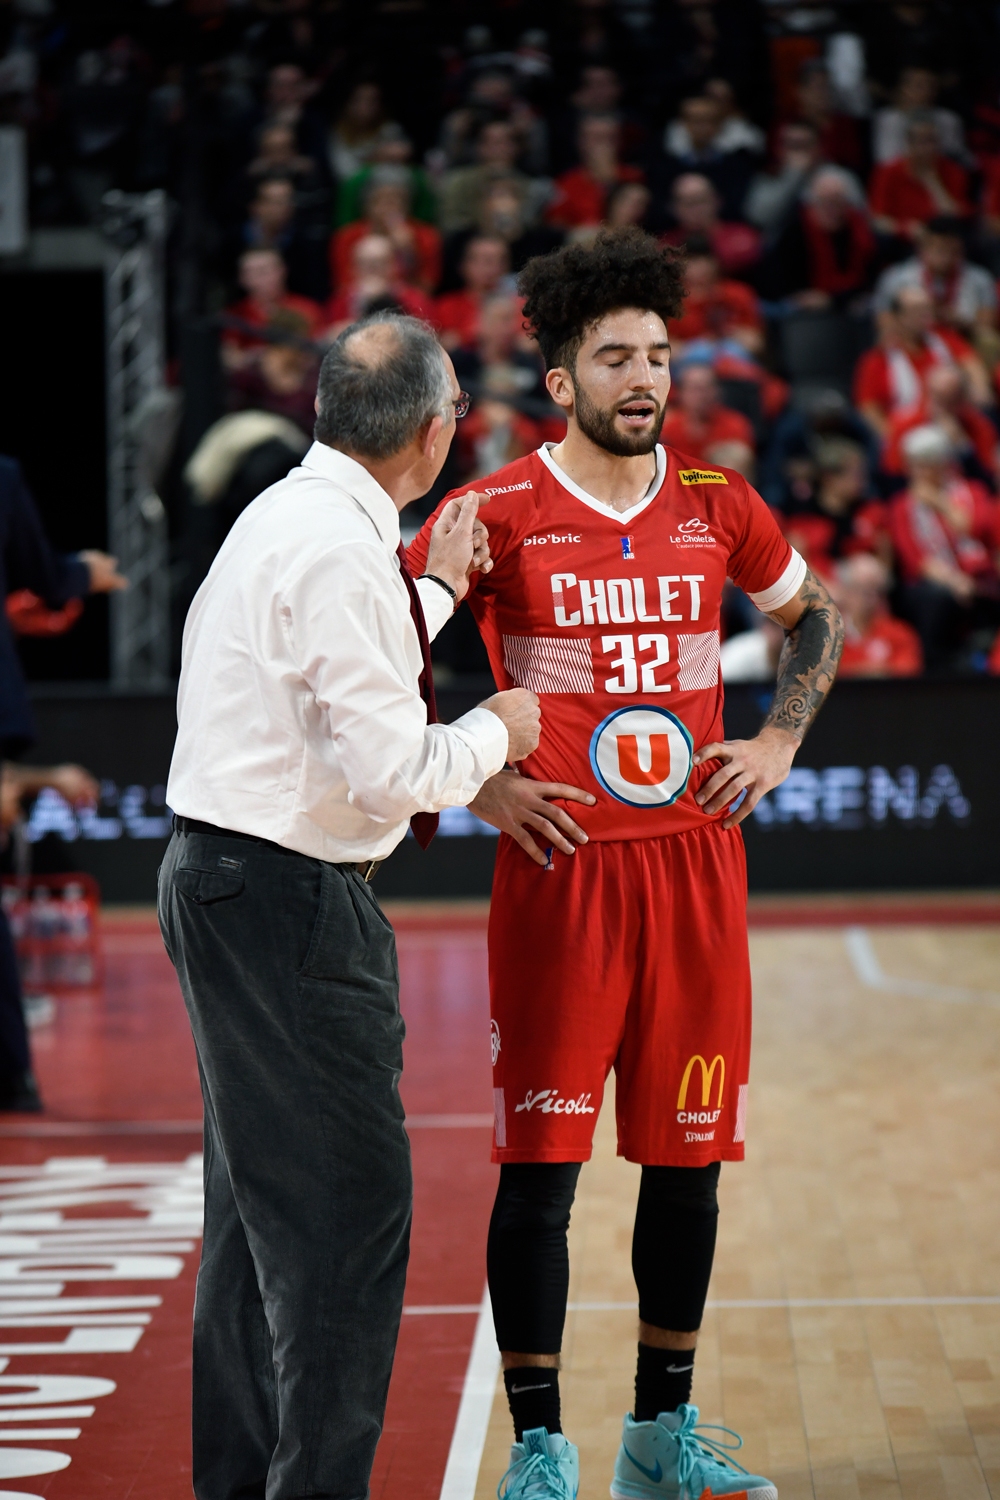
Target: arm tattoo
{"x": 808, "y": 662}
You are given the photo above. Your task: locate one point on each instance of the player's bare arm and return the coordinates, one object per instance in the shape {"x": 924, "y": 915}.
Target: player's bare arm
{"x": 515, "y": 804}
{"x": 806, "y": 671}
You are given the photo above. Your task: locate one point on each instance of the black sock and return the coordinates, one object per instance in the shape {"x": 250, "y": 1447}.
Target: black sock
{"x": 662, "y": 1381}
{"x": 533, "y": 1398}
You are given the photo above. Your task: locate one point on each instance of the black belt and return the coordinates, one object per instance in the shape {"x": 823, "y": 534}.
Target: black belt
{"x": 366, "y": 868}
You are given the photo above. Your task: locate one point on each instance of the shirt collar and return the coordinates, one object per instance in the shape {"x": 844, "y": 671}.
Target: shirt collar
{"x": 347, "y": 474}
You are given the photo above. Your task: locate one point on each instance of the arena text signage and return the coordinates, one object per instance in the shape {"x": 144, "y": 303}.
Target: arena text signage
{"x": 841, "y": 797}
{"x": 847, "y": 797}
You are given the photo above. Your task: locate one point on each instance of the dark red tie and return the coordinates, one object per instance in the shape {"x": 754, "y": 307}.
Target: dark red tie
{"x": 424, "y": 824}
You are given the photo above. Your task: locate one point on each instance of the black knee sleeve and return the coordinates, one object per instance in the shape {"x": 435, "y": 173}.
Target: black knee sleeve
{"x": 674, "y": 1244}
{"x": 527, "y": 1259}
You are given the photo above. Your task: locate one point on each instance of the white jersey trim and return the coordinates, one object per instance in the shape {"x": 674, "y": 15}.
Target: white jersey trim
{"x": 544, "y": 453}
{"x": 786, "y": 587}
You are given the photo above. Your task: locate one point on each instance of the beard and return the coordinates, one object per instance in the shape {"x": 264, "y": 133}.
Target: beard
{"x": 598, "y": 423}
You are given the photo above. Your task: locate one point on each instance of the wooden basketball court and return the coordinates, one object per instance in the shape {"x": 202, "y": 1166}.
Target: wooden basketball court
{"x": 853, "y": 1335}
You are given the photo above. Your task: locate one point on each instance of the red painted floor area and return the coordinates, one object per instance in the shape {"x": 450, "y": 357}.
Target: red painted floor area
{"x": 97, "y": 1199}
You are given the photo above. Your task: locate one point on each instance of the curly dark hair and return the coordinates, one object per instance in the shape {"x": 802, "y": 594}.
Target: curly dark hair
{"x": 568, "y": 290}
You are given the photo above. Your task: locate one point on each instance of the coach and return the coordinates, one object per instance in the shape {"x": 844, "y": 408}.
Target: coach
{"x": 305, "y": 745}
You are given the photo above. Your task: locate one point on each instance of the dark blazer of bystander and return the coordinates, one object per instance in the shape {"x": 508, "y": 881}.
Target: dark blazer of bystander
{"x": 26, "y": 562}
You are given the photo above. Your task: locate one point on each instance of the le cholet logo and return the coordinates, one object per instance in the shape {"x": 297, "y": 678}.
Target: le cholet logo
{"x": 693, "y": 533}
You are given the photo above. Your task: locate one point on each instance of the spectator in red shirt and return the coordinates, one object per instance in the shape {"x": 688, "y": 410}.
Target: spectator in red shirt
{"x": 714, "y": 307}
{"x": 946, "y": 533}
{"x": 267, "y": 306}
{"x": 907, "y": 193}
{"x": 837, "y": 519}
{"x": 891, "y": 377}
{"x": 695, "y": 205}
{"x": 945, "y": 402}
{"x": 876, "y": 644}
{"x": 373, "y": 283}
{"x": 721, "y": 325}
{"x": 993, "y": 664}
{"x": 824, "y": 255}
{"x": 417, "y": 246}
{"x": 485, "y": 263}
{"x": 628, "y": 203}
{"x": 839, "y": 133}
{"x": 699, "y": 426}
{"x": 581, "y": 194}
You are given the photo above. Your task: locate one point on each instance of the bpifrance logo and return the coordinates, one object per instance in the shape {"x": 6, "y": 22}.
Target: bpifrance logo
{"x": 705, "y": 1115}
{"x": 701, "y": 476}
{"x": 642, "y": 756}
{"x": 627, "y": 553}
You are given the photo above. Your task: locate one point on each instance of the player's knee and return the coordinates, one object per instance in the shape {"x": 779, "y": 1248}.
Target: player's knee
{"x": 535, "y": 1196}
{"x": 686, "y": 1188}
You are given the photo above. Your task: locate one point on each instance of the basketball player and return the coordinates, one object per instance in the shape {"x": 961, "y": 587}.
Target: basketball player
{"x": 618, "y": 936}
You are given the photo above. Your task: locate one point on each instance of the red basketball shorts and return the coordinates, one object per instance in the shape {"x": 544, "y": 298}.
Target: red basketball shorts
{"x": 630, "y": 955}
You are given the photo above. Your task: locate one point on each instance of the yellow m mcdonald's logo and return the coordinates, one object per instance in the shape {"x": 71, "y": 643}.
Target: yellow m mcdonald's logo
{"x": 707, "y": 1074}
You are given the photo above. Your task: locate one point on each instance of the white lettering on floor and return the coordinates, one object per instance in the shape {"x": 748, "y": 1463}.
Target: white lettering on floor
{"x": 43, "y": 1248}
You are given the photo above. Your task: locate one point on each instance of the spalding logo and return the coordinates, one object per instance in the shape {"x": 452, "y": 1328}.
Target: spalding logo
{"x": 701, "y": 476}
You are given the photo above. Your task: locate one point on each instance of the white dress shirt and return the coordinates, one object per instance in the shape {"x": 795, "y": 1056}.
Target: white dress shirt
{"x": 299, "y": 714}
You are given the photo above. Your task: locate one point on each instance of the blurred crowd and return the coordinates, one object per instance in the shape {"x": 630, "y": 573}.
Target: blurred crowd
{"x": 832, "y": 172}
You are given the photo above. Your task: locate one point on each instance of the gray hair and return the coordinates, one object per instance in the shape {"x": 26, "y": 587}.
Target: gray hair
{"x": 846, "y": 181}
{"x": 376, "y": 406}
{"x": 386, "y": 174}
{"x": 927, "y": 444}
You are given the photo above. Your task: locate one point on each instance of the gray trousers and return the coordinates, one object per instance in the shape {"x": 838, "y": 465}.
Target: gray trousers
{"x": 288, "y": 970}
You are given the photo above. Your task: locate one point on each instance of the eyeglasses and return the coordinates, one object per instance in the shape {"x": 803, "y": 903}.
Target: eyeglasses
{"x": 461, "y": 403}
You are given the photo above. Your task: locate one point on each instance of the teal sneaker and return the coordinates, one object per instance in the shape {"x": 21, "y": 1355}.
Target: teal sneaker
{"x": 543, "y": 1466}
{"x": 672, "y": 1459}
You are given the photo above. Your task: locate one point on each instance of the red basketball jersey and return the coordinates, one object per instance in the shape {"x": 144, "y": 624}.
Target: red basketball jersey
{"x": 613, "y": 619}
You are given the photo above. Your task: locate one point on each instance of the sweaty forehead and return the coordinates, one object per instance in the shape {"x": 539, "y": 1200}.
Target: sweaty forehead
{"x": 634, "y": 327}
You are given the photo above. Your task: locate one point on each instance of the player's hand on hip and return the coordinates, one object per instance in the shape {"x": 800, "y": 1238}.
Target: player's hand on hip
{"x": 750, "y": 766}
{"x": 514, "y": 804}
{"x": 521, "y": 714}
{"x": 459, "y": 543}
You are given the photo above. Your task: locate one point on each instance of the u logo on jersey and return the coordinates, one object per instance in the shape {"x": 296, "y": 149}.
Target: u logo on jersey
{"x": 642, "y": 756}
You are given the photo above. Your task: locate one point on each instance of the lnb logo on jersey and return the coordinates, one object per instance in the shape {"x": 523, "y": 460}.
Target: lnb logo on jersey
{"x": 642, "y": 756}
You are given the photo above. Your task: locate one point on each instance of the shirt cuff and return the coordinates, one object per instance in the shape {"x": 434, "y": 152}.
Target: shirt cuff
{"x": 486, "y": 734}
{"x": 786, "y": 587}
{"x": 438, "y": 607}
